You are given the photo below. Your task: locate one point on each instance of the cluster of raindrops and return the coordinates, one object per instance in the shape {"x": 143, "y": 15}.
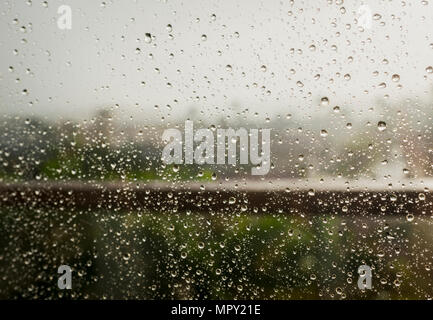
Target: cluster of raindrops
{"x": 83, "y": 181}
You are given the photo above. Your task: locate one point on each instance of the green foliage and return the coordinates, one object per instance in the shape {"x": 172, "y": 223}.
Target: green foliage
{"x": 186, "y": 256}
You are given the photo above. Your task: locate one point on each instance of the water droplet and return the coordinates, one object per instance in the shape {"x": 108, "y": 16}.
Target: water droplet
{"x": 324, "y": 102}
{"x": 148, "y": 38}
{"x": 324, "y": 133}
{"x": 381, "y": 125}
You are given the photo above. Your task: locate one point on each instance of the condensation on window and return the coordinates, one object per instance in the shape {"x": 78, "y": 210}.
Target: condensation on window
{"x": 216, "y": 150}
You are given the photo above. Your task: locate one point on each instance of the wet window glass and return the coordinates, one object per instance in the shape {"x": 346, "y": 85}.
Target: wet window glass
{"x": 216, "y": 150}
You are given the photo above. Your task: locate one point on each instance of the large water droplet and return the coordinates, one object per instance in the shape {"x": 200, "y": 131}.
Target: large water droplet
{"x": 324, "y": 102}
{"x": 381, "y": 125}
{"x": 148, "y": 38}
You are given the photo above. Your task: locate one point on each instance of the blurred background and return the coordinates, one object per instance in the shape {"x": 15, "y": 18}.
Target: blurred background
{"x": 346, "y": 88}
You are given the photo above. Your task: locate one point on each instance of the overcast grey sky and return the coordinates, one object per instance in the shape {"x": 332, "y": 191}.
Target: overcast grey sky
{"x": 70, "y": 73}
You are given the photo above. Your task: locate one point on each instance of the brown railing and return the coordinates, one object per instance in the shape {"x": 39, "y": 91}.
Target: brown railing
{"x": 259, "y": 197}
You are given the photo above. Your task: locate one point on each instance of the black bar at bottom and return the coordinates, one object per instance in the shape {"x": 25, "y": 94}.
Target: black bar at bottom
{"x": 180, "y": 309}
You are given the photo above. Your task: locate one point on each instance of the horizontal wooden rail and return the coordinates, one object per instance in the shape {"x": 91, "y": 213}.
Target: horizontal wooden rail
{"x": 259, "y": 197}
